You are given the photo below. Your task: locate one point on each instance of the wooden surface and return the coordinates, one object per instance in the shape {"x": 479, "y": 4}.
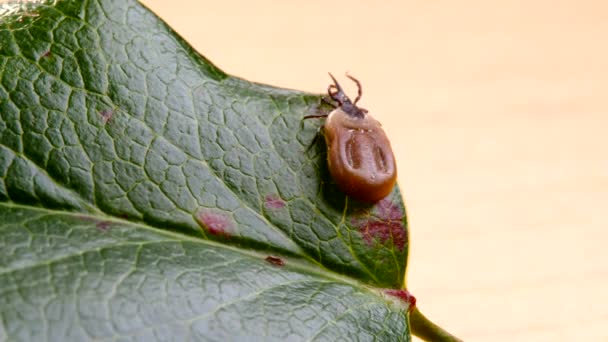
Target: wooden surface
{"x": 498, "y": 113}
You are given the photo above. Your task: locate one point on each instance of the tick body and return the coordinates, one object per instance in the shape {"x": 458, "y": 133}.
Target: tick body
{"x": 359, "y": 154}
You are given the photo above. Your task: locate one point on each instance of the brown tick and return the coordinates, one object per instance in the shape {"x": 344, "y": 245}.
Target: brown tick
{"x": 359, "y": 154}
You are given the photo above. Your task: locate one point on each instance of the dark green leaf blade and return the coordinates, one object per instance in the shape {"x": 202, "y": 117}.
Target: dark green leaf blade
{"x": 105, "y": 109}
{"x": 141, "y": 189}
{"x": 66, "y": 276}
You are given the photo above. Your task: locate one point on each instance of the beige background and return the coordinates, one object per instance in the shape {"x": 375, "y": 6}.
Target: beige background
{"x": 497, "y": 111}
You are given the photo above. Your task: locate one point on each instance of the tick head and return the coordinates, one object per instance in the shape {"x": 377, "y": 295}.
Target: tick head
{"x": 337, "y": 94}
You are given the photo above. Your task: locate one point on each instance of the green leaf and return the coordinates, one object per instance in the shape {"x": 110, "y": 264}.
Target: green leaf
{"x": 66, "y": 276}
{"x": 142, "y": 189}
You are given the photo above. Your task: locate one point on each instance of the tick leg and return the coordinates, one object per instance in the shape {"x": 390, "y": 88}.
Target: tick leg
{"x": 315, "y": 116}
{"x": 359, "y": 89}
{"x": 335, "y": 91}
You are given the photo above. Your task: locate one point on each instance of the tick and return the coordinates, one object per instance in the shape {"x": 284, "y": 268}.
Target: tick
{"x": 359, "y": 154}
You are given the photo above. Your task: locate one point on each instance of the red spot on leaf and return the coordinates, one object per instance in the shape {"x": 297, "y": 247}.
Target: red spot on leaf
{"x": 274, "y": 202}
{"x": 385, "y": 226}
{"x": 106, "y": 115}
{"x": 46, "y": 54}
{"x": 404, "y": 295}
{"x": 104, "y": 226}
{"x": 215, "y": 223}
{"x": 275, "y": 260}
{"x": 99, "y": 224}
{"x": 388, "y": 210}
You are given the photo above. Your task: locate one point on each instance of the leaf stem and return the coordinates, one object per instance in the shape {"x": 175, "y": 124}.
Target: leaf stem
{"x": 427, "y": 330}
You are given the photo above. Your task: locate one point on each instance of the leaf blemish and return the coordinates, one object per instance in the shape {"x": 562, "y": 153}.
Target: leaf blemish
{"x": 386, "y": 226}
{"x": 404, "y": 295}
{"x": 104, "y": 226}
{"x": 275, "y": 260}
{"x": 99, "y": 224}
{"x": 106, "y": 115}
{"x": 215, "y": 223}
{"x": 274, "y": 202}
{"x": 46, "y": 54}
